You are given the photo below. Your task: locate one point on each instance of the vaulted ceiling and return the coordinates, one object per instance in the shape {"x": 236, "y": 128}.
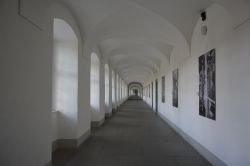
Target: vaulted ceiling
{"x": 136, "y": 36}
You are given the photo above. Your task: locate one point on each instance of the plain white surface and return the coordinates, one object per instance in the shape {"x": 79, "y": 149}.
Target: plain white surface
{"x": 95, "y": 87}
{"x": 228, "y": 136}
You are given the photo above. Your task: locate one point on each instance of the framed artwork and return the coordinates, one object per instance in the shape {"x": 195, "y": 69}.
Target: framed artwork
{"x": 175, "y": 87}
{"x": 207, "y": 85}
{"x": 163, "y": 89}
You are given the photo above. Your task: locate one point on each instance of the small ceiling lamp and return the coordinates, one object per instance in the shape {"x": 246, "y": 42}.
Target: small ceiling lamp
{"x": 203, "y": 15}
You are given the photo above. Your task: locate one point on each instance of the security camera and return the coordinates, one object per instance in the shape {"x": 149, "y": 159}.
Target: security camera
{"x": 203, "y": 15}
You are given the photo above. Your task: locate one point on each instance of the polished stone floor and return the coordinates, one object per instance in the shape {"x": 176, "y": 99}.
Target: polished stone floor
{"x": 134, "y": 136}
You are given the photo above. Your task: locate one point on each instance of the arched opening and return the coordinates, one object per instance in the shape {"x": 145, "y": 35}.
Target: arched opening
{"x": 135, "y": 90}
{"x": 120, "y": 90}
{"x": 117, "y": 90}
{"x": 95, "y": 87}
{"x": 113, "y": 90}
{"x": 107, "y": 107}
{"x": 65, "y": 81}
{"x": 123, "y": 91}
{"x": 135, "y": 86}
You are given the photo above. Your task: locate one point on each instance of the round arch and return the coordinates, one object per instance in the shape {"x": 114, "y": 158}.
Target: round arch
{"x": 95, "y": 86}
{"x": 136, "y": 85}
{"x": 64, "y": 80}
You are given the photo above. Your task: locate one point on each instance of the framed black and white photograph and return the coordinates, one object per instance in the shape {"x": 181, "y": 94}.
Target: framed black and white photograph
{"x": 207, "y": 85}
{"x": 163, "y": 89}
{"x": 175, "y": 87}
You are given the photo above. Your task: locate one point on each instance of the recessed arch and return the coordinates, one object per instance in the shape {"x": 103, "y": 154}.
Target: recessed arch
{"x": 113, "y": 90}
{"x": 107, "y": 72}
{"x": 117, "y": 89}
{"x": 95, "y": 86}
{"x": 135, "y": 86}
{"x": 65, "y": 78}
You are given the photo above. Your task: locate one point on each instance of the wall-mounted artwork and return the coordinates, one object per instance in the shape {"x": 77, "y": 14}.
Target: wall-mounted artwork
{"x": 163, "y": 89}
{"x": 207, "y": 88}
{"x": 175, "y": 87}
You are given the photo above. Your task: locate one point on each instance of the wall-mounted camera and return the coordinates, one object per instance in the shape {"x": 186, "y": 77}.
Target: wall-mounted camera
{"x": 203, "y": 15}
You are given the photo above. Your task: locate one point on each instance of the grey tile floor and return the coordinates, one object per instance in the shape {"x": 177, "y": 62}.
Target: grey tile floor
{"x": 134, "y": 136}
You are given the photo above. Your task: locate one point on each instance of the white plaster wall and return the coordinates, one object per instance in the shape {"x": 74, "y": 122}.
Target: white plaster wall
{"x": 95, "y": 87}
{"x": 107, "y": 91}
{"x": 26, "y": 85}
{"x": 232, "y": 123}
{"x": 126, "y": 91}
{"x": 124, "y": 96}
{"x": 113, "y": 90}
{"x": 54, "y": 125}
{"x": 121, "y": 90}
{"x": 117, "y": 90}
{"x": 228, "y": 136}
{"x": 25, "y": 72}
{"x": 148, "y": 97}
{"x": 110, "y": 90}
{"x": 84, "y": 110}
{"x": 120, "y": 80}
{"x": 65, "y": 87}
{"x": 101, "y": 115}
{"x": 152, "y": 97}
{"x": 57, "y": 10}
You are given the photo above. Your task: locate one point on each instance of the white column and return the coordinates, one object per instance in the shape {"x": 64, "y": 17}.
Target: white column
{"x": 102, "y": 91}
{"x": 110, "y": 89}
{"x": 116, "y": 92}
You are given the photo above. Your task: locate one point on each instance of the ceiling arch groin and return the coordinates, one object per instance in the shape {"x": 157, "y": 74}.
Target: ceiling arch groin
{"x": 137, "y": 36}
{"x": 137, "y": 42}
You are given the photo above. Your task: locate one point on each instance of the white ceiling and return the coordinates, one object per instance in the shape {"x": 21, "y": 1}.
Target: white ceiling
{"x": 135, "y": 36}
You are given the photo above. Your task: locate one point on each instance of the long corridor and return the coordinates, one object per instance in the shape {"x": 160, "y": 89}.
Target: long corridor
{"x": 134, "y": 136}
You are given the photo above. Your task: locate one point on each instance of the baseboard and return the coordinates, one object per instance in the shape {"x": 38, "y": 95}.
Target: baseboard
{"x": 83, "y": 137}
{"x": 97, "y": 123}
{"x": 70, "y": 143}
{"x": 108, "y": 115}
{"x": 200, "y": 148}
